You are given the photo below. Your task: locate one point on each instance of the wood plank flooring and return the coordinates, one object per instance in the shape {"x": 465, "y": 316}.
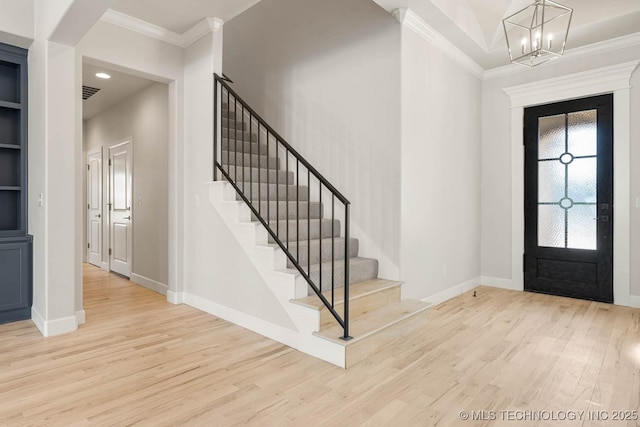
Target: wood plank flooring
{"x": 142, "y": 361}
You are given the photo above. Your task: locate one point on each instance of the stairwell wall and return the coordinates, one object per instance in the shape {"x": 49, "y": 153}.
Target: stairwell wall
{"x": 326, "y": 76}
{"x": 440, "y": 246}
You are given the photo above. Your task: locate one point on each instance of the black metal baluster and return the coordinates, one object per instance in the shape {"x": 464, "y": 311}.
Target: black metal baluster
{"x": 308, "y": 222}
{"x": 287, "y": 195}
{"x": 259, "y": 172}
{"x": 320, "y": 225}
{"x": 215, "y": 130}
{"x": 297, "y": 209}
{"x": 250, "y": 165}
{"x": 346, "y": 336}
{"x": 333, "y": 248}
{"x": 268, "y": 179}
{"x": 235, "y": 142}
{"x": 228, "y": 135}
{"x": 277, "y": 194}
{"x": 242, "y": 147}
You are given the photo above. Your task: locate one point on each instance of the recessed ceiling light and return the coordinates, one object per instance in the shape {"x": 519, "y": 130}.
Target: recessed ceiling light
{"x": 103, "y": 76}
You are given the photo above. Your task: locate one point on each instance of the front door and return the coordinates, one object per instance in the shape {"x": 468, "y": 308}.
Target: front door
{"x": 569, "y": 198}
{"x": 94, "y": 208}
{"x": 120, "y": 185}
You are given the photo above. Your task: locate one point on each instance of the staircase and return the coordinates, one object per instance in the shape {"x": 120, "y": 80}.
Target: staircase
{"x": 294, "y": 225}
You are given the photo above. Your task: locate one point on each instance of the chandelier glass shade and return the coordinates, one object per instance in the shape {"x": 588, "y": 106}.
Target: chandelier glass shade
{"x": 537, "y": 33}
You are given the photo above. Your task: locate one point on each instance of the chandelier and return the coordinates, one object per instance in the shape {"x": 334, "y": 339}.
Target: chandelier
{"x": 537, "y": 33}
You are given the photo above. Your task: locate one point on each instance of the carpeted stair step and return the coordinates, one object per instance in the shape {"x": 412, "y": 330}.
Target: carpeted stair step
{"x": 311, "y": 252}
{"x": 262, "y": 173}
{"x": 360, "y": 269}
{"x": 307, "y": 228}
{"x": 258, "y": 192}
{"x": 279, "y": 210}
{"x": 233, "y": 124}
{"x": 242, "y": 146}
{"x": 239, "y": 135}
{"x": 226, "y": 114}
{"x": 246, "y": 160}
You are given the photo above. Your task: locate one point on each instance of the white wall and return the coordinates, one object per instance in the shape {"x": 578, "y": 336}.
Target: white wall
{"x": 440, "y": 245}
{"x": 17, "y": 22}
{"x": 496, "y": 159}
{"x": 326, "y": 76}
{"x": 144, "y": 117}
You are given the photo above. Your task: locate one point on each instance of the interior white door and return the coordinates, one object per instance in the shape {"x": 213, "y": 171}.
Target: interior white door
{"x": 121, "y": 233}
{"x": 94, "y": 208}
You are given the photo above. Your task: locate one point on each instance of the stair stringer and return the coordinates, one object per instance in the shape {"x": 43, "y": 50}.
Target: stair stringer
{"x": 271, "y": 263}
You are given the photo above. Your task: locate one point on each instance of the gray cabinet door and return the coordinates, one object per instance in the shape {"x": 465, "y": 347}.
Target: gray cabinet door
{"x": 15, "y": 281}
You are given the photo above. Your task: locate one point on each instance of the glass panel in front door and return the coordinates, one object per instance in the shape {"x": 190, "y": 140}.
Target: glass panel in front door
{"x": 567, "y": 180}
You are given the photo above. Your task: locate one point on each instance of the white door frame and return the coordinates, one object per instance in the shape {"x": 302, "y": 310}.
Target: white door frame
{"x": 108, "y": 200}
{"x": 91, "y": 153}
{"x": 614, "y": 79}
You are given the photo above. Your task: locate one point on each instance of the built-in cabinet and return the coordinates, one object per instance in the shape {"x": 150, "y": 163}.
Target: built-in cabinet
{"x": 15, "y": 244}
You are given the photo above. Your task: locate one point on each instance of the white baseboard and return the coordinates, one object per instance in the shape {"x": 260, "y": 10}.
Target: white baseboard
{"x": 452, "y": 292}
{"x": 317, "y": 347}
{"x": 81, "y": 317}
{"x": 38, "y": 320}
{"x": 496, "y": 282}
{"x": 50, "y": 328}
{"x": 175, "y": 297}
{"x": 105, "y": 266}
{"x": 160, "y": 288}
{"x": 634, "y": 301}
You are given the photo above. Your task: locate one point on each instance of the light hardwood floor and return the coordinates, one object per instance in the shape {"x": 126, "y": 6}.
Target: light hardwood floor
{"x": 139, "y": 360}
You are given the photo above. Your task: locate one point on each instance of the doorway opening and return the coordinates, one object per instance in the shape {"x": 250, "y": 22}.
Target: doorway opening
{"x": 569, "y": 198}
{"x": 126, "y": 221}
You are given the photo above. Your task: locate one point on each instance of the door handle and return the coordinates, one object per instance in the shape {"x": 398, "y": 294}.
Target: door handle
{"x": 127, "y": 217}
{"x": 98, "y": 216}
{"x": 603, "y": 218}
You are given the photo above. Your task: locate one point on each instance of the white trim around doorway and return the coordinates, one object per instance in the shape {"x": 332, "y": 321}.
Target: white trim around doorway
{"x": 614, "y": 79}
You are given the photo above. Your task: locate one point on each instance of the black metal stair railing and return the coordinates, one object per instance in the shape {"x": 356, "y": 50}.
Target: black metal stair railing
{"x": 277, "y": 151}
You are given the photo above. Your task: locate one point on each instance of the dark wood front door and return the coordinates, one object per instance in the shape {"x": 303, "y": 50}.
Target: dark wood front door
{"x": 569, "y": 198}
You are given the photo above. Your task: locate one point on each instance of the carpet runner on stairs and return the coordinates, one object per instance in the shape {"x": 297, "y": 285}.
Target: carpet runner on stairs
{"x": 304, "y": 225}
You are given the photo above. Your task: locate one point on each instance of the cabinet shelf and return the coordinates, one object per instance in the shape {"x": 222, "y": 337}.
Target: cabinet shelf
{"x": 9, "y": 188}
{"x": 11, "y": 105}
{"x": 10, "y": 147}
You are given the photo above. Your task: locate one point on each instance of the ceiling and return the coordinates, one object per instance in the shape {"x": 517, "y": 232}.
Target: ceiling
{"x": 474, "y": 26}
{"x": 179, "y": 16}
{"x": 112, "y": 91}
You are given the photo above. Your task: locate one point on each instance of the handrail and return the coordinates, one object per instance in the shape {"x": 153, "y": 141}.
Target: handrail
{"x": 277, "y": 234}
{"x": 282, "y": 141}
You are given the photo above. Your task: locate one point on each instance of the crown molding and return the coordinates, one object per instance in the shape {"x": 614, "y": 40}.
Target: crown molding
{"x": 193, "y": 34}
{"x": 411, "y": 20}
{"x": 601, "y": 80}
{"x": 569, "y": 55}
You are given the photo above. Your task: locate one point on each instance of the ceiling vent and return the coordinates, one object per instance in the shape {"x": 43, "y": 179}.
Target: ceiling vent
{"x": 88, "y": 92}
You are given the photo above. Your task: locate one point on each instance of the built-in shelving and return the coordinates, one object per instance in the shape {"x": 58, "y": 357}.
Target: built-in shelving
{"x": 15, "y": 243}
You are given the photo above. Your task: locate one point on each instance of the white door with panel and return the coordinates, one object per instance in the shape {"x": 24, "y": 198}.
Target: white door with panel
{"x": 94, "y": 208}
{"x": 120, "y": 203}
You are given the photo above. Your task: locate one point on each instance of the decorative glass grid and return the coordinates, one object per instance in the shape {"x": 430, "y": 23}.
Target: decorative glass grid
{"x": 567, "y": 180}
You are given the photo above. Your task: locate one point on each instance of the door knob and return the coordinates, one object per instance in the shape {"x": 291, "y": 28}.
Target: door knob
{"x": 127, "y": 217}
{"x": 98, "y": 216}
